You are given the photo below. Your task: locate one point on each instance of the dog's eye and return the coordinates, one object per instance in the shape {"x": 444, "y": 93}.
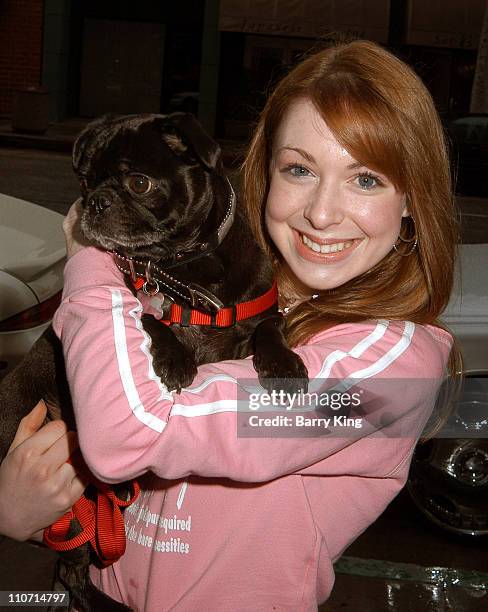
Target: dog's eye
{"x": 139, "y": 184}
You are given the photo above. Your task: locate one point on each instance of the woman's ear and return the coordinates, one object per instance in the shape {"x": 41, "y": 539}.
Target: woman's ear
{"x": 406, "y": 211}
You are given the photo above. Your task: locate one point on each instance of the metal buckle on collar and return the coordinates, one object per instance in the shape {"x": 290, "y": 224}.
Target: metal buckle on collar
{"x": 201, "y": 298}
{"x": 133, "y": 274}
{"x": 151, "y": 286}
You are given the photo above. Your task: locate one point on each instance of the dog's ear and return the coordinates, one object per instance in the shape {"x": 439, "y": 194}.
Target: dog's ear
{"x": 194, "y": 136}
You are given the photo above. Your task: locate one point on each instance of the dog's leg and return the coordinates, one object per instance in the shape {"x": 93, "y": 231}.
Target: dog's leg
{"x": 172, "y": 361}
{"x": 99, "y": 602}
{"x": 278, "y": 367}
{"x": 71, "y": 575}
{"x": 41, "y": 375}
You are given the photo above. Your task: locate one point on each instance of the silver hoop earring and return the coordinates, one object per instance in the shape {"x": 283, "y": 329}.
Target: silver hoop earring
{"x": 407, "y": 241}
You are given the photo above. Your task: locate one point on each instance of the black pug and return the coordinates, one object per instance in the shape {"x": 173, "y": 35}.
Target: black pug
{"x": 155, "y": 194}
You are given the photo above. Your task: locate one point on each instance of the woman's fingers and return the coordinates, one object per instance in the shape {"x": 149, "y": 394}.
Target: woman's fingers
{"x": 74, "y": 483}
{"x": 61, "y": 448}
{"x": 35, "y": 478}
{"x": 32, "y": 451}
{"x": 49, "y": 449}
{"x": 75, "y": 240}
{"x": 71, "y": 479}
{"x": 72, "y": 217}
{"x": 31, "y": 423}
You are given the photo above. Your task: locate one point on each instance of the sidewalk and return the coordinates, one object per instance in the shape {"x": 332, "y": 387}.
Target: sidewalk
{"x": 58, "y": 137}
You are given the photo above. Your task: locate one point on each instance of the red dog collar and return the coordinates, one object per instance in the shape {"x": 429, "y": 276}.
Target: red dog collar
{"x": 225, "y": 317}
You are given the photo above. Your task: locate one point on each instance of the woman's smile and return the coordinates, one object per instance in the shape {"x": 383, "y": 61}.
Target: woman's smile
{"x": 324, "y": 251}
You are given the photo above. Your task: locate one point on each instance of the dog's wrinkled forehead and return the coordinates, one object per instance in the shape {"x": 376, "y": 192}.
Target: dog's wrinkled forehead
{"x": 147, "y": 136}
{"x": 96, "y": 136}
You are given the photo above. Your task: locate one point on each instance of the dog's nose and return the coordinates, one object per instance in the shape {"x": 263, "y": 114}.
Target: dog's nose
{"x": 99, "y": 202}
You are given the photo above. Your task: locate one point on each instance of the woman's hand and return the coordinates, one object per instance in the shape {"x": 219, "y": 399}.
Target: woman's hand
{"x": 37, "y": 486}
{"x": 75, "y": 241}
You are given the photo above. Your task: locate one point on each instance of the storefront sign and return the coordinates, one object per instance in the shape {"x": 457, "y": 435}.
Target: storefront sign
{"x": 445, "y": 23}
{"x": 334, "y": 19}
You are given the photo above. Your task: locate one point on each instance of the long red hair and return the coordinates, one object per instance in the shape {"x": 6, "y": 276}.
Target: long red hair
{"x": 380, "y": 111}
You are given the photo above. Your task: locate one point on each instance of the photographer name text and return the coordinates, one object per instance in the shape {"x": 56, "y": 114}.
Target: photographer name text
{"x": 299, "y": 420}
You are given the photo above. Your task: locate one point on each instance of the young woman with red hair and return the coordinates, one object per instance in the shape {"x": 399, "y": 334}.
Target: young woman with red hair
{"x": 347, "y": 187}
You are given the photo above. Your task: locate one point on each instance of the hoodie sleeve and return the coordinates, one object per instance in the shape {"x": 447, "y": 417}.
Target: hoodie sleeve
{"x": 129, "y": 422}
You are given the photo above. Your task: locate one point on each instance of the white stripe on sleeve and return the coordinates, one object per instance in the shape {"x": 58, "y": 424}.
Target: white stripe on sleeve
{"x": 123, "y": 363}
{"x": 356, "y": 351}
{"x": 363, "y": 345}
{"x": 379, "y": 366}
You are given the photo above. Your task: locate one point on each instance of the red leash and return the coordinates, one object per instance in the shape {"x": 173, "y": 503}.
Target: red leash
{"x": 102, "y": 522}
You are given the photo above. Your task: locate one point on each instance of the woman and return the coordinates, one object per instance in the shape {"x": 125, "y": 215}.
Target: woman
{"x": 347, "y": 186}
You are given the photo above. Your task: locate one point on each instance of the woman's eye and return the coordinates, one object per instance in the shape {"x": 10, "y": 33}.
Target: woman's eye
{"x": 139, "y": 184}
{"x": 368, "y": 181}
{"x": 297, "y": 170}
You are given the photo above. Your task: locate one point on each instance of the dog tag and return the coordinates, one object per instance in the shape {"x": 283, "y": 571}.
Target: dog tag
{"x": 157, "y": 302}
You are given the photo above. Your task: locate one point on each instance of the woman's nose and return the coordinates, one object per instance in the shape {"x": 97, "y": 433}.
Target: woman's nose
{"x": 325, "y": 207}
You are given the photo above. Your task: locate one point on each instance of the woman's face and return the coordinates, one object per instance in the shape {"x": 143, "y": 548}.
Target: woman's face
{"x": 330, "y": 217}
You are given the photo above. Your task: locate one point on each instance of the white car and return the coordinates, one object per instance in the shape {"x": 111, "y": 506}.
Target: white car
{"x": 467, "y": 312}
{"x": 32, "y": 258}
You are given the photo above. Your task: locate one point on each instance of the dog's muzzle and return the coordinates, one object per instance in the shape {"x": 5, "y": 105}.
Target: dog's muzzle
{"x": 99, "y": 202}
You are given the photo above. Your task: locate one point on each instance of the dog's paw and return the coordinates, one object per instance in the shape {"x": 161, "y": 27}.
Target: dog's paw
{"x": 285, "y": 372}
{"x": 176, "y": 370}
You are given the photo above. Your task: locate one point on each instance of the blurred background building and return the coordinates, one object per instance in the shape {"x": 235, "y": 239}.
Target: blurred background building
{"x": 215, "y": 58}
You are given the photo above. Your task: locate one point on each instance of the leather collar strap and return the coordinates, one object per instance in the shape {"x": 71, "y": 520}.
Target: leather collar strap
{"x": 101, "y": 521}
{"x": 213, "y": 242}
{"x": 156, "y": 275}
{"x": 152, "y": 280}
{"x": 206, "y": 247}
{"x": 225, "y": 317}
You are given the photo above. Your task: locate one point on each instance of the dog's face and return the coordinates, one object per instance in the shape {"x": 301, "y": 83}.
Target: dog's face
{"x": 148, "y": 183}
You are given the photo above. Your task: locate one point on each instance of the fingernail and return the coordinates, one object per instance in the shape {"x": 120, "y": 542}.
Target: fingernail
{"x": 40, "y": 404}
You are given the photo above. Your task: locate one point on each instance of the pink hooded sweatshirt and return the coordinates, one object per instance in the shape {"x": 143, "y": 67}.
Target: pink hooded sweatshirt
{"x": 230, "y": 520}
